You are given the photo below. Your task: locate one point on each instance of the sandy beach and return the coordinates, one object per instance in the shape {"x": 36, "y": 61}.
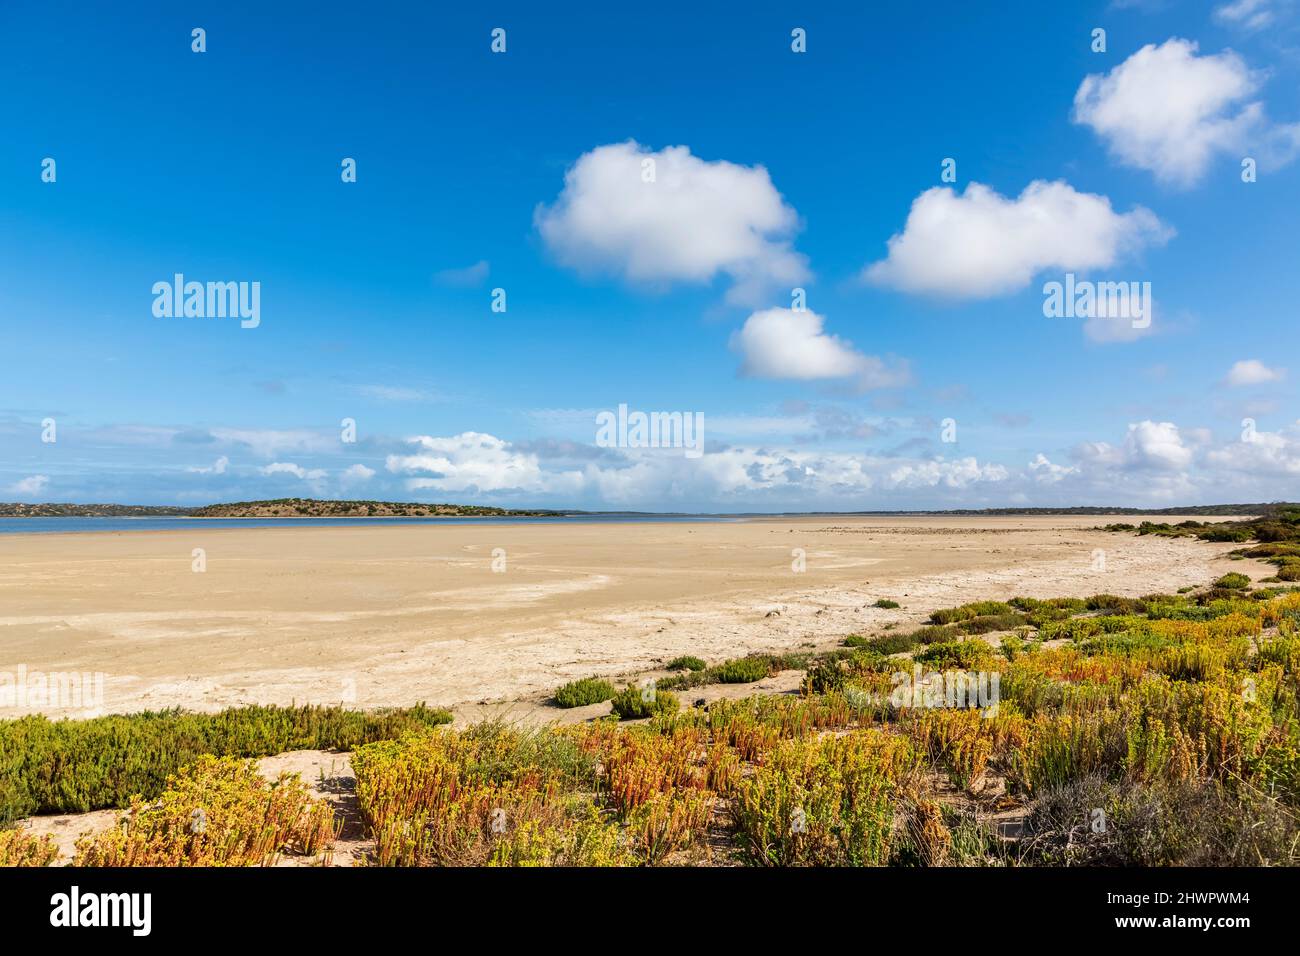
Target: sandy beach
{"x": 374, "y": 616}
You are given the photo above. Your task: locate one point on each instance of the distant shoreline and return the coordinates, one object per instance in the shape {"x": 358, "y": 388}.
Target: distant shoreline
{"x": 315, "y": 509}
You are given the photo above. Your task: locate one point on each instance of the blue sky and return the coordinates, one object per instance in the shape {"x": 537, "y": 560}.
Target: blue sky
{"x": 774, "y": 169}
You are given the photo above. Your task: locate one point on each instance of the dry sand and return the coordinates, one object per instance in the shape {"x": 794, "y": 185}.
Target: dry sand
{"x": 388, "y": 615}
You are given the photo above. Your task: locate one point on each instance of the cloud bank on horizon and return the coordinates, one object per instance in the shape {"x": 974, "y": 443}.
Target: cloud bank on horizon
{"x": 845, "y": 286}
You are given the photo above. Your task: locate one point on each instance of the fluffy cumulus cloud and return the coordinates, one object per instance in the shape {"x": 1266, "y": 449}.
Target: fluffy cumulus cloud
{"x": 1046, "y": 472}
{"x": 669, "y": 216}
{"x": 473, "y": 462}
{"x": 1261, "y": 455}
{"x": 1161, "y": 463}
{"x": 354, "y": 475}
{"x": 1171, "y": 111}
{"x": 731, "y": 476}
{"x": 1252, "y": 372}
{"x": 1148, "y": 446}
{"x": 792, "y": 344}
{"x": 980, "y": 244}
{"x": 1155, "y": 463}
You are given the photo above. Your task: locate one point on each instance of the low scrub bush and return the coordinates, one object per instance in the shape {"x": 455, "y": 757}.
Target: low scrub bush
{"x": 743, "y": 670}
{"x": 636, "y": 703}
{"x": 964, "y": 655}
{"x": 220, "y": 812}
{"x": 1233, "y": 581}
{"x": 19, "y": 847}
{"x": 71, "y": 766}
{"x": 953, "y": 615}
{"x": 584, "y": 692}
{"x": 823, "y": 802}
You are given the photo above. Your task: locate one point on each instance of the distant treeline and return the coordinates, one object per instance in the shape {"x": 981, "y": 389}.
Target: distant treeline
{"x": 315, "y": 508}
{"x": 1271, "y": 508}
{"x": 318, "y": 508}
{"x": 18, "y": 509}
{"x": 275, "y": 508}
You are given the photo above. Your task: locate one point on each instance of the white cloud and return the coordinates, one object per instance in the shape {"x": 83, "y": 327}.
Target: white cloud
{"x": 1157, "y": 463}
{"x": 698, "y": 219}
{"x": 31, "y": 485}
{"x": 289, "y": 468}
{"x": 1163, "y": 464}
{"x": 1148, "y": 446}
{"x": 476, "y": 462}
{"x": 1249, "y": 14}
{"x": 1044, "y": 471}
{"x": 467, "y": 277}
{"x": 1252, "y": 372}
{"x": 1261, "y": 455}
{"x": 981, "y": 244}
{"x": 790, "y": 344}
{"x": 218, "y": 467}
{"x": 357, "y": 474}
{"x": 1170, "y": 111}
{"x": 1157, "y": 445}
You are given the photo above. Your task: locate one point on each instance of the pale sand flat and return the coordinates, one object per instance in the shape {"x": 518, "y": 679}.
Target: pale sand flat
{"x": 378, "y": 616}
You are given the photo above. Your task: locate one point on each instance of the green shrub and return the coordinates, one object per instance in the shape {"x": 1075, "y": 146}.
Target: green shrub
{"x": 72, "y": 766}
{"x": 582, "y": 693}
{"x": 1233, "y": 581}
{"x": 1113, "y": 604}
{"x": 686, "y": 663}
{"x": 967, "y": 611}
{"x": 886, "y": 604}
{"x": 634, "y": 703}
{"x": 743, "y": 670}
{"x": 965, "y": 655}
{"x": 988, "y": 623}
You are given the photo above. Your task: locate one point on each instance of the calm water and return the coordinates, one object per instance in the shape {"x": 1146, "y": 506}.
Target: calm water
{"x": 75, "y": 525}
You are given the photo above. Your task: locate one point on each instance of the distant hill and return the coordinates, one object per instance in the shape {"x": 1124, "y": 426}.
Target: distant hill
{"x": 18, "y": 509}
{"x": 316, "y": 508}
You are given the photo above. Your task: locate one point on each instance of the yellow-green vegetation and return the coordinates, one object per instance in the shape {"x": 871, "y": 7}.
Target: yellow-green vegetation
{"x": 1173, "y": 718}
{"x": 1184, "y": 733}
{"x": 71, "y": 766}
{"x": 686, "y": 663}
{"x": 20, "y": 848}
{"x": 220, "y": 812}
{"x": 740, "y": 670}
{"x": 581, "y": 693}
{"x": 491, "y": 795}
{"x": 637, "y": 703}
{"x": 968, "y": 611}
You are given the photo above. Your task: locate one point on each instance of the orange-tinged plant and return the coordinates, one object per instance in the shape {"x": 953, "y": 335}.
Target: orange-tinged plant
{"x": 21, "y": 848}
{"x": 220, "y": 812}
